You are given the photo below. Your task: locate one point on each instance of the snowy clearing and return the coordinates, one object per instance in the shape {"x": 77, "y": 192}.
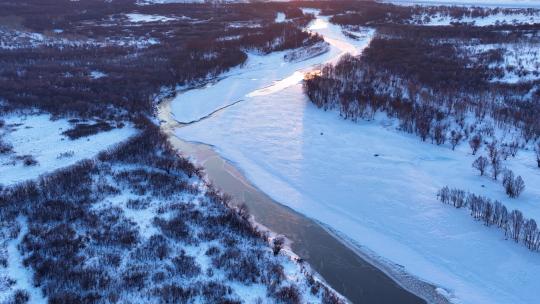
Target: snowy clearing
{"x": 40, "y": 137}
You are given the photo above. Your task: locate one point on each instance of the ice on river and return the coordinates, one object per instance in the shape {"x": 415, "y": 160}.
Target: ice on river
{"x": 261, "y": 71}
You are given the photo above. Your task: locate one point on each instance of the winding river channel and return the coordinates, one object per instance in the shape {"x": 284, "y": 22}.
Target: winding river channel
{"x": 346, "y": 267}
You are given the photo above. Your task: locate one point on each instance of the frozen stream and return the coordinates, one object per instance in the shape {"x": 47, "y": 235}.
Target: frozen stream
{"x": 366, "y": 182}
{"x": 338, "y": 261}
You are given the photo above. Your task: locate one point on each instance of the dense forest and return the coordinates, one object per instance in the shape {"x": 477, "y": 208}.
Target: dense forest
{"x": 437, "y": 84}
{"x": 86, "y": 59}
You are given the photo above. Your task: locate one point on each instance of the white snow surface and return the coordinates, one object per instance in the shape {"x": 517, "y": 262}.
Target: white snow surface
{"x": 134, "y": 17}
{"x": 148, "y": 2}
{"x": 496, "y": 19}
{"x": 260, "y": 72}
{"x": 326, "y": 168}
{"x": 41, "y": 137}
{"x": 489, "y": 3}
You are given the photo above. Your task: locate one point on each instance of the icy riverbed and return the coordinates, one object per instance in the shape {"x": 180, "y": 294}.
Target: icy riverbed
{"x": 260, "y": 72}
{"x": 374, "y": 185}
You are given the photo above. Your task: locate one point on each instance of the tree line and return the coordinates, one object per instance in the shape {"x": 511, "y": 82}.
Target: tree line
{"x": 82, "y": 249}
{"x": 494, "y": 213}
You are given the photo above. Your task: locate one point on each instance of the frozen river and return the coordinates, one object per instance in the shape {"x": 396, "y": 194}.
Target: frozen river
{"x": 366, "y": 182}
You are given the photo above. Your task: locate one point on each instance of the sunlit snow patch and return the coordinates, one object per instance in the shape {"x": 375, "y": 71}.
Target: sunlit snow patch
{"x": 280, "y": 18}
{"x": 135, "y": 18}
{"x": 40, "y": 137}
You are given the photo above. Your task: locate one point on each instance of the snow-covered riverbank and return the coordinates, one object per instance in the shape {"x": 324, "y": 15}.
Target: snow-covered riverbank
{"x": 487, "y": 3}
{"x": 376, "y": 186}
{"x": 263, "y": 75}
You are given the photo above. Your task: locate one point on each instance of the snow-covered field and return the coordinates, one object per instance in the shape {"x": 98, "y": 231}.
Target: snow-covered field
{"x": 491, "y": 3}
{"x": 260, "y": 72}
{"x": 147, "y": 2}
{"x": 496, "y": 19}
{"x": 373, "y": 184}
{"x": 16, "y": 39}
{"x": 326, "y": 168}
{"x": 41, "y": 137}
{"x": 155, "y": 222}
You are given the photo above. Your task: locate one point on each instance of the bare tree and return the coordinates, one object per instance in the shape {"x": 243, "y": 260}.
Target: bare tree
{"x": 487, "y": 213}
{"x": 519, "y": 186}
{"x": 243, "y": 211}
{"x": 492, "y": 150}
{"x": 500, "y": 214}
{"x": 455, "y": 138}
{"x": 505, "y": 152}
{"x": 481, "y": 164}
{"x": 444, "y": 195}
{"x": 513, "y": 186}
{"x": 277, "y": 245}
{"x": 457, "y": 197}
{"x": 508, "y": 182}
{"x": 439, "y": 133}
{"x": 513, "y": 148}
{"x": 475, "y": 143}
{"x": 531, "y": 234}
{"x": 496, "y": 167}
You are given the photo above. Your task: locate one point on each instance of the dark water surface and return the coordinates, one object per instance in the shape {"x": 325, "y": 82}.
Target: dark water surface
{"x": 339, "y": 265}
